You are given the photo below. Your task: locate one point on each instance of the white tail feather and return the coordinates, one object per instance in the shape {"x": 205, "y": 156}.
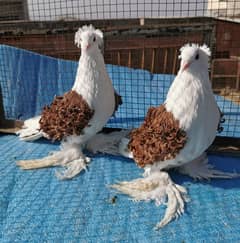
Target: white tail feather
{"x": 157, "y": 187}
{"x": 30, "y": 135}
{"x": 107, "y": 143}
{"x": 31, "y": 130}
{"x": 200, "y": 169}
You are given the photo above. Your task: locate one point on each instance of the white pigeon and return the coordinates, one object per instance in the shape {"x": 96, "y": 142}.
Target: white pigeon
{"x": 80, "y": 113}
{"x": 173, "y": 135}
{"x": 31, "y": 131}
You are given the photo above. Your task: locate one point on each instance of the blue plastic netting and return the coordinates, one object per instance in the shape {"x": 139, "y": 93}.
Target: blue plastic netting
{"x": 29, "y": 81}
{"x": 36, "y": 207}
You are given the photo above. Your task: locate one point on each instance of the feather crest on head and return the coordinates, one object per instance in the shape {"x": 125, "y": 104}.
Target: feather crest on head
{"x": 184, "y": 47}
{"x": 90, "y": 28}
{"x": 204, "y": 48}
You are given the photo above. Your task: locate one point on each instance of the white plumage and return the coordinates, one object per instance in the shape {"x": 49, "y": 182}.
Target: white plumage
{"x": 31, "y": 130}
{"x": 191, "y": 101}
{"x": 95, "y": 87}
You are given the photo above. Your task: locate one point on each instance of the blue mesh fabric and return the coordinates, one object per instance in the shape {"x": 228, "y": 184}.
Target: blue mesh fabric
{"x": 29, "y": 81}
{"x": 36, "y": 207}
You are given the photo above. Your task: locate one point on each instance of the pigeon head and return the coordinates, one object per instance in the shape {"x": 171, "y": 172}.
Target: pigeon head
{"x": 89, "y": 38}
{"x": 194, "y": 57}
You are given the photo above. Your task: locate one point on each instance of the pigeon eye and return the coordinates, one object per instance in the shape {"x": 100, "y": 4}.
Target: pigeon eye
{"x": 197, "y": 57}
{"x": 94, "y": 38}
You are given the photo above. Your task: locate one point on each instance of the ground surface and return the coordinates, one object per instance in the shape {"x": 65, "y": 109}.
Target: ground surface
{"x": 36, "y": 207}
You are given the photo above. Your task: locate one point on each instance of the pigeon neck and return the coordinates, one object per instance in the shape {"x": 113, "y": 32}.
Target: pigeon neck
{"x": 90, "y": 53}
{"x": 89, "y": 70}
{"x": 184, "y": 97}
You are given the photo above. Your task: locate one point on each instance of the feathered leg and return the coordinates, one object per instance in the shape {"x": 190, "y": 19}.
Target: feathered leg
{"x": 199, "y": 169}
{"x": 38, "y": 163}
{"x": 70, "y": 157}
{"x": 157, "y": 187}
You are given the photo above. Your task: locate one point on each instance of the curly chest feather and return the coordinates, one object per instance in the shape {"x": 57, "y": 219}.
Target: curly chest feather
{"x": 159, "y": 138}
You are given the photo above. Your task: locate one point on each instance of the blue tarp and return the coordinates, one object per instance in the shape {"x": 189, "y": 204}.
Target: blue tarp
{"x": 29, "y": 81}
{"x": 36, "y": 207}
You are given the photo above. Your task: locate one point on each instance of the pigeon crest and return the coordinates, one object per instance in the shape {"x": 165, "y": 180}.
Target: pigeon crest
{"x": 79, "y": 35}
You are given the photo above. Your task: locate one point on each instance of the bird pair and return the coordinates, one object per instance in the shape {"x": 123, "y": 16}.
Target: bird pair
{"x": 174, "y": 135}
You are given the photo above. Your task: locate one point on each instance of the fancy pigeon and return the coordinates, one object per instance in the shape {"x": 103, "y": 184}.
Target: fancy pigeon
{"x": 80, "y": 113}
{"x": 174, "y": 135}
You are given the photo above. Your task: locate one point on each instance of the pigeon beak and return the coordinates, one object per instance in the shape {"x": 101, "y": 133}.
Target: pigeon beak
{"x": 185, "y": 66}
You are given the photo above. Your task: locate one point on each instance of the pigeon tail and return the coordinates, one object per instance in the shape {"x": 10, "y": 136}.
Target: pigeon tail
{"x": 200, "y": 169}
{"x": 114, "y": 143}
{"x": 30, "y": 130}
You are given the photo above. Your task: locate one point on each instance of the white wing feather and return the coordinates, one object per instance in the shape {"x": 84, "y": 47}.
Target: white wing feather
{"x": 31, "y": 130}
